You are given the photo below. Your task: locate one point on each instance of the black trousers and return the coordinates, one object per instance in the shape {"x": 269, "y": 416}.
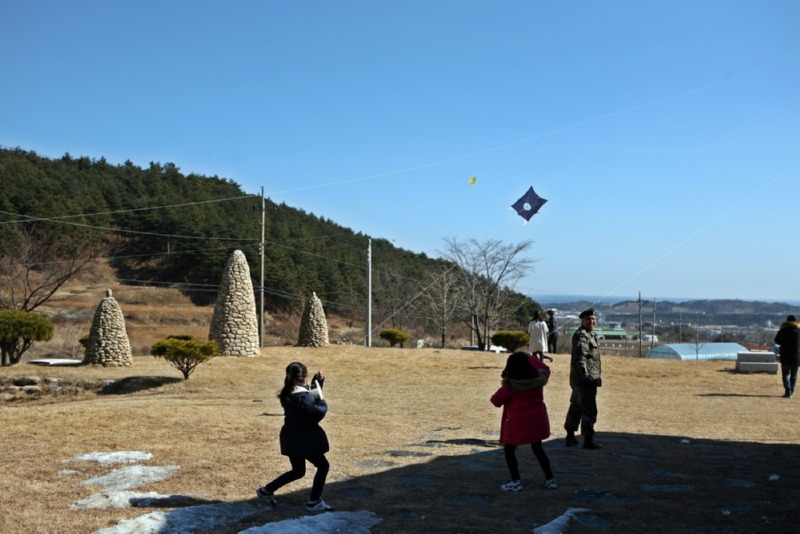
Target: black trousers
{"x": 789, "y": 375}
{"x": 538, "y": 451}
{"x": 298, "y": 471}
{"x": 582, "y": 411}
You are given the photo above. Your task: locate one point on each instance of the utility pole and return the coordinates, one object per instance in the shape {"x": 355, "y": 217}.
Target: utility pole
{"x": 653, "y": 339}
{"x": 261, "y": 283}
{"x": 368, "y": 338}
{"x": 640, "y": 324}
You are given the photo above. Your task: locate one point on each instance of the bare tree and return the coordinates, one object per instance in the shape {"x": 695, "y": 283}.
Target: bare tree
{"x": 395, "y": 297}
{"x": 34, "y": 264}
{"x": 442, "y": 291}
{"x": 489, "y": 270}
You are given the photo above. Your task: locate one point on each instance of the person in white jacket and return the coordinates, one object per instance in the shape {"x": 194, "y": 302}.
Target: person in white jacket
{"x": 537, "y": 330}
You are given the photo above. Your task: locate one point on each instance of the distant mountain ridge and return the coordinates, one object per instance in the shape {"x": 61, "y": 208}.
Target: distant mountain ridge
{"x": 721, "y": 311}
{"x": 716, "y": 306}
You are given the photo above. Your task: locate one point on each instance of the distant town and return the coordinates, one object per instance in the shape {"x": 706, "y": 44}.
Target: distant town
{"x": 749, "y": 323}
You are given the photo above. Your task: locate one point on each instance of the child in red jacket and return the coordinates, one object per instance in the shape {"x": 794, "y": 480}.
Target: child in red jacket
{"x": 525, "y": 417}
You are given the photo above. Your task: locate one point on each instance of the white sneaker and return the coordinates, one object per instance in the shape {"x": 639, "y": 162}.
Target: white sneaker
{"x": 550, "y": 483}
{"x": 318, "y": 506}
{"x": 514, "y": 485}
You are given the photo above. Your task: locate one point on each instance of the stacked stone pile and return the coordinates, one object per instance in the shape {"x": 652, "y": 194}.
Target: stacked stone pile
{"x": 108, "y": 343}
{"x": 234, "y": 325}
{"x": 313, "y": 325}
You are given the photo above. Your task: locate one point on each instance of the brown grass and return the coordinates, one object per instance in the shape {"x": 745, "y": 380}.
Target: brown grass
{"x": 413, "y": 439}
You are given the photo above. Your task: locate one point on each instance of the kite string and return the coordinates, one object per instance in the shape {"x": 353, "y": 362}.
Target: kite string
{"x": 568, "y": 127}
{"x": 705, "y": 227}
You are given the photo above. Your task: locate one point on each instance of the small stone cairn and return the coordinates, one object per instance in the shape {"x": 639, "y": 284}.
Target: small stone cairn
{"x": 313, "y": 325}
{"x": 234, "y": 325}
{"x": 108, "y": 343}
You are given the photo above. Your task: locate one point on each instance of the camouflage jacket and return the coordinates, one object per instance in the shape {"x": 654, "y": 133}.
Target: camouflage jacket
{"x": 585, "y": 368}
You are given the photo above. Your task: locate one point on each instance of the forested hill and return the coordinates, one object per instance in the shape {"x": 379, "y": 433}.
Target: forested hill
{"x": 158, "y": 226}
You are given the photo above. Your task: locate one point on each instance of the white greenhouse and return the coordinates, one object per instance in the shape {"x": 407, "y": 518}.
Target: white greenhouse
{"x": 696, "y": 351}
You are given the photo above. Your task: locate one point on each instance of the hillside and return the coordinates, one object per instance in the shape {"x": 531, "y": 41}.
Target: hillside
{"x": 157, "y": 227}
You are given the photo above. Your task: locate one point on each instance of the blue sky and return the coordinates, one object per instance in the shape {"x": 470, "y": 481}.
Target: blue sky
{"x": 663, "y": 134}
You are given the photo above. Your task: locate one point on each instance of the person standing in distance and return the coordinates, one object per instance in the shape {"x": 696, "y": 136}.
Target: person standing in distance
{"x": 552, "y": 332}
{"x": 584, "y": 379}
{"x": 788, "y": 338}
{"x": 301, "y": 436}
{"x": 537, "y": 330}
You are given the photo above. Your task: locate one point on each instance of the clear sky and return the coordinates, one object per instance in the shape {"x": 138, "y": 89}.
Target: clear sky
{"x": 665, "y": 135}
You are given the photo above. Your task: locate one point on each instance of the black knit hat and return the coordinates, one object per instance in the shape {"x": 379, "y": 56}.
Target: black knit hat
{"x": 791, "y": 319}
{"x": 518, "y": 367}
{"x": 587, "y": 313}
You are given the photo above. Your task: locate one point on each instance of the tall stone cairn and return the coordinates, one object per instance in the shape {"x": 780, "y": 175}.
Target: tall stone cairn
{"x": 108, "y": 343}
{"x": 234, "y": 325}
{"x": 313, "y": 325}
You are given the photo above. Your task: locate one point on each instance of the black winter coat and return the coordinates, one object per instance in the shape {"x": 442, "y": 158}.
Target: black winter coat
{"x": 789, "y": 339}
{"x": 301, "y": 435}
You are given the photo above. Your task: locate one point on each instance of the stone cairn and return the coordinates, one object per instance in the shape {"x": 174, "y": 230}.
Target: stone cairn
{"x": 313, "y": 325}
{"x": 108, "y": 343}
{"x": 234, "y": 325}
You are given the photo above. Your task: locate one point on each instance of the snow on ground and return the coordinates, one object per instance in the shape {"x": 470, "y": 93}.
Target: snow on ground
{"x": 118, "y": 457}
{"x": 328, "y": 522}
{"x": 560, "y": 523}
{"x": 188, "y": 519}
{"x": 132, "y": 476}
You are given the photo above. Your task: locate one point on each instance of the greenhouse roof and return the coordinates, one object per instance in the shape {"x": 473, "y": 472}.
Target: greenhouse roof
{"x": 693, "y": 351}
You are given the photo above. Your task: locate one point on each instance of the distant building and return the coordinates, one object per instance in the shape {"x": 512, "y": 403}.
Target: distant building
{"x": 696, "y": 351}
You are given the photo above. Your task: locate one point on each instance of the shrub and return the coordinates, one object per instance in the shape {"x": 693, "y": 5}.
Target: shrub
{"x": 394, "y": 336}
{"x": 511, "y": 339}
{"x": 184, "y": 354}
{"x": 18, "y": 331}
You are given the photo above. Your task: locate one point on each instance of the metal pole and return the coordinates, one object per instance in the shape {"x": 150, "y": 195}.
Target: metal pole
{"x": 368, "y": 338}
{"x": 653, "y": 339}
{"x": 640, "y": 324}
{"x": 261, "y": 283}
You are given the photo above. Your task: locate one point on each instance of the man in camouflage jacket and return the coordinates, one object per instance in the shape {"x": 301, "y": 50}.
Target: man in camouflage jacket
{"x": 584, "y": 379}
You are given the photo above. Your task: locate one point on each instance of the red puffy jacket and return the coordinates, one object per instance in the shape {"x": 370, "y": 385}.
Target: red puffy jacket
{"x": 525, "y": 417}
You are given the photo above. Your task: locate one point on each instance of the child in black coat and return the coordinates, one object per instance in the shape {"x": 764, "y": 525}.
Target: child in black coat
{"x": 301, "y": 436}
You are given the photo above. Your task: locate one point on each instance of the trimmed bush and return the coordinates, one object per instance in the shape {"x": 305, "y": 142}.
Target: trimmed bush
{"x": 184, "y": 354}
{"x": 394, "y": 336}
{"x": 511, "y": 339}
{"x": 18, "y": 331}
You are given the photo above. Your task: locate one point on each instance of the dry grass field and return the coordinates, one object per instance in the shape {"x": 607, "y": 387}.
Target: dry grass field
{"x": 414, "y": 440}
{"x": 688, "y": 446}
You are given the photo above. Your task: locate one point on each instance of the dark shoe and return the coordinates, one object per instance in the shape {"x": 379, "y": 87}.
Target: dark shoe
{"x": 571, "y": 441}
{"x": 592, "y": 445}
{"x": 787, "y": 395}
{"x": 266, "y": 496}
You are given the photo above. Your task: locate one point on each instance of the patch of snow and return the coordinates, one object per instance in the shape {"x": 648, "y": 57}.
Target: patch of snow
{"x": 328, "y": 522}
{"x": 116, "y": 499}
{"x": 185, "y": 520}
{"x": 132, "y": 476}
{"x": 559, "y": 524}
{"x": 118, "y": 457}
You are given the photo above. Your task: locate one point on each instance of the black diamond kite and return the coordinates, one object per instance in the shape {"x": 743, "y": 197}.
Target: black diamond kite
{"x": 528, "y": 204}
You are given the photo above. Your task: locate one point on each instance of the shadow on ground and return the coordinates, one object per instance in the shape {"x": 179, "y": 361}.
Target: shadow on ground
{"x": 635, "y": 483}
{"x": 133, "y": 384}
